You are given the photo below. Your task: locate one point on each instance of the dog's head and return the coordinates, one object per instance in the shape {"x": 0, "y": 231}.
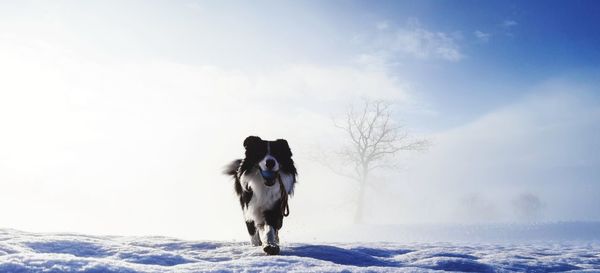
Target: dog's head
{"x": 268, "y": 157}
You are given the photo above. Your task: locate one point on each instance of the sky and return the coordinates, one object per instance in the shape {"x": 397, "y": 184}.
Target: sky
{"x": 117, "y": 117}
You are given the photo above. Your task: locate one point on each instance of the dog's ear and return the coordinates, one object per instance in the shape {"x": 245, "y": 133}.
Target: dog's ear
{"x": 284, "y": 147}
{"x": 250, "y": 141}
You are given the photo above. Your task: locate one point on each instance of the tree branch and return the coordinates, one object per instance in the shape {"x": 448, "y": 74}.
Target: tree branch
{"x": 374, "y": 137}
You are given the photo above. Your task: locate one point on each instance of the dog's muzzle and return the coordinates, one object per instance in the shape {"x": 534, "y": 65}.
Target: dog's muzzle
{"x": 269, "y": 177}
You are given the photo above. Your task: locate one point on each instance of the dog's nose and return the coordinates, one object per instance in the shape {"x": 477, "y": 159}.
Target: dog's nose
{"x": 270, "y": 163}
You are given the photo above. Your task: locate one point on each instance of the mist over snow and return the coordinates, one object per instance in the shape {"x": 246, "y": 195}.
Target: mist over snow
{"x": 534, "y": 160}
{"x": 116, "y": 118}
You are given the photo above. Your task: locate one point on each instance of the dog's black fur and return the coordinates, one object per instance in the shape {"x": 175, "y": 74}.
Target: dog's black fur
{"x": 258, "y": 179}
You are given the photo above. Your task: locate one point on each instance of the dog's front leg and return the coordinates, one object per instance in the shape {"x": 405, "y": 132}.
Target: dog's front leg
{"x": 268, "y": 235}
{"x": 254, "y": 234}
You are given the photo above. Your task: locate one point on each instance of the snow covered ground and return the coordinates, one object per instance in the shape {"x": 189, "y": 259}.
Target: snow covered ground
{"x": 36, "y": 252}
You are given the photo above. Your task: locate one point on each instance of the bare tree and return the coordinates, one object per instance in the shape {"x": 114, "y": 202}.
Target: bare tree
{"x": 374, "y": 139}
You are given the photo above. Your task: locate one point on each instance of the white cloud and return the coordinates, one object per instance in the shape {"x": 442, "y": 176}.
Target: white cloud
{"x": 413, "y": 41}
{"x": 482, "y": 36}
{"x": 424, "y": 44}
{"x": 382, "y": 25}
{"x": 509, "y": 23}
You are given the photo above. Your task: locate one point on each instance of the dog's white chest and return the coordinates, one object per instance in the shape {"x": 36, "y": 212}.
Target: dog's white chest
{"x": 263, "y": 198}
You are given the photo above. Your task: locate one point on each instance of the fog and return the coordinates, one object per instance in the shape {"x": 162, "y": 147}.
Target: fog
{"x": 117, "y": 118}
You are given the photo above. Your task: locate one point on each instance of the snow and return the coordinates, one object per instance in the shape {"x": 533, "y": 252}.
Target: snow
{"x": 50, "y": 252}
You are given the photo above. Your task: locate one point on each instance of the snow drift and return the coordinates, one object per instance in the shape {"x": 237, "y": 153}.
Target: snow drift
{"x": 34, "y": 252}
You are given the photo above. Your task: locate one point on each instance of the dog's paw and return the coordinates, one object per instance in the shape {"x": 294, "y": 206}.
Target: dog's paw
{"x": 271, "y": 249}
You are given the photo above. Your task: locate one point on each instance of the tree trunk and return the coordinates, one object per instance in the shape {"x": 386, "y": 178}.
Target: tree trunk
{"x": 358, "y": 216}
{"x": 360, "y": 203}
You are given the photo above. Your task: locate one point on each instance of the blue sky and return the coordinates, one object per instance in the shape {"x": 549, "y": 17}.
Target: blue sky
{"x": 129, "y": 102}
{"x": 521, "y": 44}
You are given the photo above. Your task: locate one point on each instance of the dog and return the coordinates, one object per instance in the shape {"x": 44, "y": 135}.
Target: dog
{"x": 263, "y": 181}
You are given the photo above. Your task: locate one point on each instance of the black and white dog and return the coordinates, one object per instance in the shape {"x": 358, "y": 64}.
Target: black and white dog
{"x": 263, "y": 181}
